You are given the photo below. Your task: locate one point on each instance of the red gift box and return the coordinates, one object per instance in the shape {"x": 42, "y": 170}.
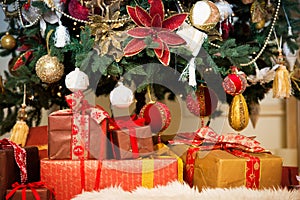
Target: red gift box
{"x": 130, "y": 138}
{"x": 71, "y": 177}
{"x": 30, "y": 191}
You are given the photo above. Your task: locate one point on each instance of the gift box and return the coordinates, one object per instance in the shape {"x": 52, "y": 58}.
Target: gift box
{"x": 226, "y": 160}
{"x": 33, "y": 193}
{"x": 38, "y": 136}
{"x": 222, "y": 169}
{"x": 71, "y": 177}
{"x": 10, "y": 171}
{"x": 62, "y": 143}
{"x": 130, "y": 138}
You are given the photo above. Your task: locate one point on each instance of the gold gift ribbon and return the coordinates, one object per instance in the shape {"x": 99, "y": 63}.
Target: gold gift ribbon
{"x": 147, "y": 172}
{"x": 162, "y": 151}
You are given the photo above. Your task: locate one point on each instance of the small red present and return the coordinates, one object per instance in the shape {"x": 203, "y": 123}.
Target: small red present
{"x": 130, "y": 138}
{"x": 30, "y": 191}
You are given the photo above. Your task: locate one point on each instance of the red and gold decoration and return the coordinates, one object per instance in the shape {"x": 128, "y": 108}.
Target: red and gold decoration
{"x": 20, "y": 130}
{"x": 8, "y": 41}
{"x": 238, "y": 115}
{"x": 282, "y": 82}
{"x": 235, "y": 84}
{"x": 204, "y": 103}
{"x": 157, "y": 115}
{"x": 204, "y": 147}
{"x": 48, "y": 68}
{"x": 258, "y": 14}
{"x": 204, "y": 15}
{"x": 154, "y": 25}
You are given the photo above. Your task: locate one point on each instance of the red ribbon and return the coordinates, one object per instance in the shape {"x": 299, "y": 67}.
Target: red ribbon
{"x": 32, "y": 186}
{"x": 130, "y": 124}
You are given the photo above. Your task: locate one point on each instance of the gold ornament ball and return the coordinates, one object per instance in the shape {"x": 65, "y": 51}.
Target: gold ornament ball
{"x": 49, "y": 69}
{"x": 8, "y": 41}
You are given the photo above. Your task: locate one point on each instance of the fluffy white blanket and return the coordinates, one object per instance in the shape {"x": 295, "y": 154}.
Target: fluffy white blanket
{"x": 176, "y": 190}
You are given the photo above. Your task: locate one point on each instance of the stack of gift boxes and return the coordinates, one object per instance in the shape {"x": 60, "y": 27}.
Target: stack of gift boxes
{"x": 88, "y": 150}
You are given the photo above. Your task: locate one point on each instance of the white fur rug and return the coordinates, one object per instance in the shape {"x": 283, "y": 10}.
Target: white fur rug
{"x": 176, "y": 190}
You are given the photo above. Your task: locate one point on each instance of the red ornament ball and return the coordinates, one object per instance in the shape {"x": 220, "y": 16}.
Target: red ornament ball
{"x": 234, "y": 84}
{"x": 203, "y": 103}
{"x": 77, "y": 10}
{"x": 157, "y": 115}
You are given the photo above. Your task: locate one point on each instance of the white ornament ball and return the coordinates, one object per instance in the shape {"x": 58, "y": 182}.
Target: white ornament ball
{"x": 77, "y": 81}
{"x": 204, "y": 15}
{"x": 121, "y": 96}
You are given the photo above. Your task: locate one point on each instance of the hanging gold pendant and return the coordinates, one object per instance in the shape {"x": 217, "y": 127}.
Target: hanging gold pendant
{"x": 238, "y": 115}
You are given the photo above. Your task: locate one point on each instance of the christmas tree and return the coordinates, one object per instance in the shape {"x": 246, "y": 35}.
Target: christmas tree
{"x": 112, "y": 39}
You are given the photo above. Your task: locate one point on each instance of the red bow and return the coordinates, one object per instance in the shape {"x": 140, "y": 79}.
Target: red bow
{"x": 33, "y": 186}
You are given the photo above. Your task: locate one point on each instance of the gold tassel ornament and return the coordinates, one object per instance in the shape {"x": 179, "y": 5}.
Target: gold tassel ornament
{"x": 20, "y": 130}
{"x": 282, "y": 81}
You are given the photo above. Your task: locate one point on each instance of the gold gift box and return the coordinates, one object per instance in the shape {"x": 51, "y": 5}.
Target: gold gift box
{"x": 221, "y": 169}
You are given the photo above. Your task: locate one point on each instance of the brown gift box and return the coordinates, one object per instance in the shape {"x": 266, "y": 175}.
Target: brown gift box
{"x": 60, "y": 132}
{"x": 38, "y": 136}
{"x": 43, "y": 193}
{"x": 220, "y": 169}
{"x": 10, "y": 172}
{"x": 121, "y": 144}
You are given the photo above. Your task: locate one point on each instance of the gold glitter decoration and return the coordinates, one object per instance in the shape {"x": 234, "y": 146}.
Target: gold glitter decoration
{"x": 49, "y": 69}
{"x": 238, "y": 115}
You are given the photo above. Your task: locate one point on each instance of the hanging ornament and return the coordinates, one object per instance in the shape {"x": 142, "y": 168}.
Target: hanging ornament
{"x": 121, "y": 96}
{"x": 281, "y": 83}
{"x": 48, "y": 68}
{"x": 204, "y": 15}
{"x": 224, "y": 9}
{"x": 20, "y": 130}
{"x": 194, "y": 40}
{"x": 8, "y": 41}
{"x": 235, "y": 84}
{"x": 254, "y": 109}
{"x": 156, "y": 114}
{"x": 61, "y": 36}
{"x": 258, "y": 14}
{"x": 30, "y": 13}
{"x": 238, "y": 115}
{"x": 204, "y": 103}
{"x": 77, "y": 80}
{"x": 77, "y": 10}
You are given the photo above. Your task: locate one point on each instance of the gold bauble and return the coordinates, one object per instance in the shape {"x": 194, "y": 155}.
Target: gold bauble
{"x": 238, "y": 115}
{"x": 8, "y": 41}
{"x": 49, "y": 69}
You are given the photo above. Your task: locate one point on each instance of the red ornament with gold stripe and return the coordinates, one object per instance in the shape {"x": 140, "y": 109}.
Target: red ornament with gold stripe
{"x": 157, "y": 115}
{"x": 235, "y": 83}
{"x": 203, "y": 103}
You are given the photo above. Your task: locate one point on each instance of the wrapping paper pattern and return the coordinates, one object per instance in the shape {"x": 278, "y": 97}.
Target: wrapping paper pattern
{"x": 65, "y": 176}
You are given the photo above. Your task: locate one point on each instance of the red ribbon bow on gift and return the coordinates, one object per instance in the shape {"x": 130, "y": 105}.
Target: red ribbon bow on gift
{"x": 130, "y": 123}
{"x": 32, "y": 186}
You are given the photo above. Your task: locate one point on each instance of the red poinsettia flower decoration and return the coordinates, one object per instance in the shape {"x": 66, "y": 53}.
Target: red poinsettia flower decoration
{"x": 155, "y": 26}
